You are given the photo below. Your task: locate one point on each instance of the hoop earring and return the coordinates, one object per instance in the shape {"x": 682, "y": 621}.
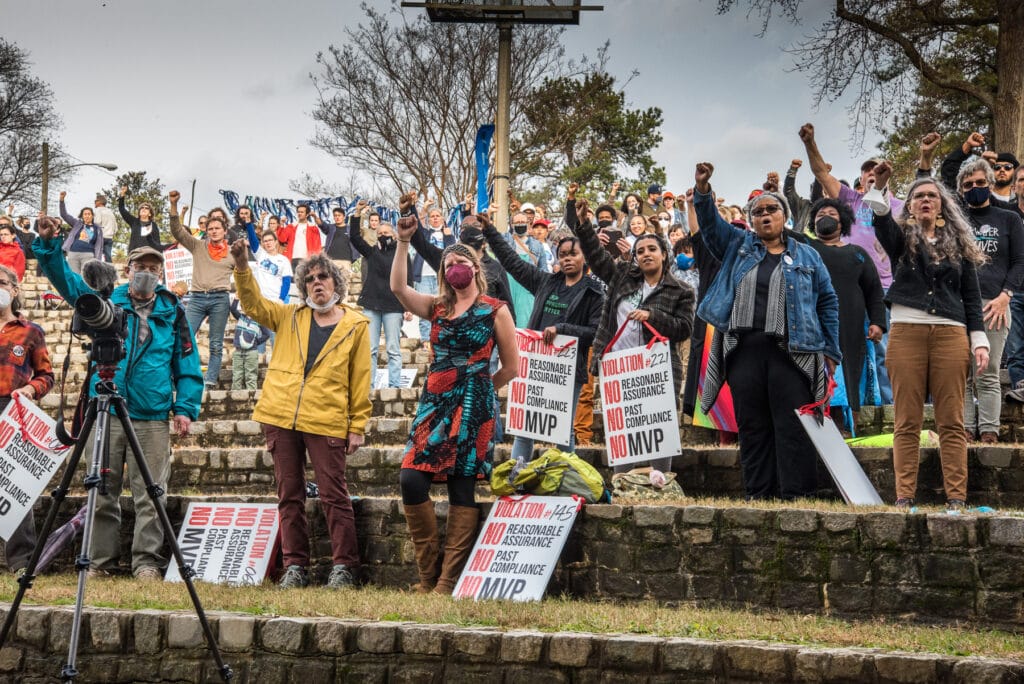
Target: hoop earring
{"x": 939, "y": 221}
{"x": 911, "y": 220}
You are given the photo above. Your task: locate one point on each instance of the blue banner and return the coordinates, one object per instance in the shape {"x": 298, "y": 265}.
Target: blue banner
{"x": 483, "y": 166}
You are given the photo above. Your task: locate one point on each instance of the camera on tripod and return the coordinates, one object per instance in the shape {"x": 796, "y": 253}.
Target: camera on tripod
{"x": 106, "y": 325}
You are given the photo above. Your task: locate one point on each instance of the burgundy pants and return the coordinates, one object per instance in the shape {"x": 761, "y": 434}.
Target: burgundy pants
{"x": 327, "y": 454}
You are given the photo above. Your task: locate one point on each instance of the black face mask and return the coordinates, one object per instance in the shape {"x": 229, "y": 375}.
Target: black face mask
{"x": 826, "y": 226}
{"x": 520, "y": 228}
{"x": 385, "y": 242}
{"x": 604, "y": 223}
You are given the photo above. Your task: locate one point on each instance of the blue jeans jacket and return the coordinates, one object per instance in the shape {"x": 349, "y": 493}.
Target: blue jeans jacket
{"x": 812, "y": 308}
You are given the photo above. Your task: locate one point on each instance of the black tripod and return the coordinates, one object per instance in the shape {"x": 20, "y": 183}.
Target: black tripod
{"x": 98, "y": 413}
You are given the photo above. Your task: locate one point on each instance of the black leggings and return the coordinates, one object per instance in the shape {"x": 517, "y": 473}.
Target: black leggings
{"x": 415, "y": 486}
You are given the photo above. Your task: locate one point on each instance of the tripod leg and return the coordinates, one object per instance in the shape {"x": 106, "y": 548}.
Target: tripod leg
{"x": 58, "y": 495}
{"x": 187, "y": 573}
{"x": 94, "y": 482}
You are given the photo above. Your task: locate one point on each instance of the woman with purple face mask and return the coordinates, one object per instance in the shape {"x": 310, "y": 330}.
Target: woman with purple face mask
{"x": 451, "y": 439}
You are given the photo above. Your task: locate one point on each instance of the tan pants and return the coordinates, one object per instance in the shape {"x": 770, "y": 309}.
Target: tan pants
{"x": 923, "y": 360}
{"x": 583, "y": 426}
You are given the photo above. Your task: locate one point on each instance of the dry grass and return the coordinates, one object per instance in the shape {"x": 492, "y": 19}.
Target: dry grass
{"x": 551, "y": 615}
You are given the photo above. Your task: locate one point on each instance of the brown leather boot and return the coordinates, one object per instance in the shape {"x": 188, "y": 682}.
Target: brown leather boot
{"x": 457, "y": 544}
{"x": 423, "y": 529}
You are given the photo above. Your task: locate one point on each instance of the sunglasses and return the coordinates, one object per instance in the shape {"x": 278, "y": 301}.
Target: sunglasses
{"x": 979, "y": 183}
{"x": 770, "y": 209}
{"x": 1003, "y": 167}
{"x": 317, "y": 276}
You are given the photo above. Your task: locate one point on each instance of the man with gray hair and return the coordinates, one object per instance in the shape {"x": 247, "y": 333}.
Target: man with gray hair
{"x": 1000, "y": 236}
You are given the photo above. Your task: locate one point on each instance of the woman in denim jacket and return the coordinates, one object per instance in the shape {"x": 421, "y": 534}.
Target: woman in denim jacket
{"x": 776, "y": 319}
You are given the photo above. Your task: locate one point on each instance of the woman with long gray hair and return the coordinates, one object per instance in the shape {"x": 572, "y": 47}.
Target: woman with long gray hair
{"x": 936, "y": 328}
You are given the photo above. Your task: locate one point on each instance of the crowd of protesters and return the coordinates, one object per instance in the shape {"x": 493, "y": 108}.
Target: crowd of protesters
{"x": 902, "y": 301}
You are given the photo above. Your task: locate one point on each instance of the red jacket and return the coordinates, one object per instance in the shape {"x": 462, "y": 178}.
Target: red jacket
{"x": 286, "y": 236}
{"x": 13, "y": 258}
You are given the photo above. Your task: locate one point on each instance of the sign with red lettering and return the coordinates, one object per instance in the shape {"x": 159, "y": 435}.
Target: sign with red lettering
{"x": 29, "y": 456}
{"x": 540, "y": 396}
{"x": 227, "y": 543}
{"x": 518, "y": 547}
{"x": 178, "y": 266}
{"x": 638, "y": 399}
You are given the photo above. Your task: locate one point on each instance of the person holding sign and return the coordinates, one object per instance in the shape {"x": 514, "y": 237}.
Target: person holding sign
{"x": 564, "y": 303}
{"x": 452, "y": 435}
{"x": 315, "y": 403}
{"x": 776, "y": 341}
{"x": 24, "y": 370}
{"x": 640, "y": 290}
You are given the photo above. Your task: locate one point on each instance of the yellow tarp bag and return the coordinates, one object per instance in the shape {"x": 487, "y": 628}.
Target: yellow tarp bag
{"x": 553, "y": 473}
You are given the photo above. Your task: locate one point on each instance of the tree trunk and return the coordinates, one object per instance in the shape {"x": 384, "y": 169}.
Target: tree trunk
{"x": 1008, "y": 113}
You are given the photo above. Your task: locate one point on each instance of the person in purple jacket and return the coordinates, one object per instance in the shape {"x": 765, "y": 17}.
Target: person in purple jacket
{"x": 85, "y": 239}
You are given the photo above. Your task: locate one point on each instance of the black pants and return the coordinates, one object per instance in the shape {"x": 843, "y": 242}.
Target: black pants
{"x": 779, "y": 460}
{"x": 415, "y": 486}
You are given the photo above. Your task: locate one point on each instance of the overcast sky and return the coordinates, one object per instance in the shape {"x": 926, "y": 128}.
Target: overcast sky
{"x": 219, "y": 90}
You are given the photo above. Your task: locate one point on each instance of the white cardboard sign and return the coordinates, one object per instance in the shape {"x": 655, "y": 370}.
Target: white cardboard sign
{"x": 227, "y": 543}
{"x": 177, "y": 266}
{"x": 380, "y": 378}
{"x": 29, "y": 457}
{"x": 639, "y": 404}
{"x": 842, "y": 465}
{"x": 517, "y": 550}
{"x": 540, "y": 396}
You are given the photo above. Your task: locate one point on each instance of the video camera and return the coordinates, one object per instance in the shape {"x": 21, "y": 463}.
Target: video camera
{"x": 105, "y": 323}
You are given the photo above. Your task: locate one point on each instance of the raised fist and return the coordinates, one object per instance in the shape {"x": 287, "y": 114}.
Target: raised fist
{"x": 406, "y": 226}
{"x": 174, "y": 196}
{"x": 63, "y": 195}
{"x": 124, "y": 190}
{"x": 930, "y": 142}
{"x": 573, "y": 189}
{"x": 582, "y": 207}
{"x": 796, "y": 163}
{"x": 975, "y": 139}
{"x": 883, "y": 172}
{"x": 702, "y": 176}
{"x": 807, "y": 133}
{"x": 239, "y": 249}
{"x": 46, "y": 226}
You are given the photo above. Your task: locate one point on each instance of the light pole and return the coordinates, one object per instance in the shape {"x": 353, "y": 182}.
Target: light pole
{"x": 46, "y": 171}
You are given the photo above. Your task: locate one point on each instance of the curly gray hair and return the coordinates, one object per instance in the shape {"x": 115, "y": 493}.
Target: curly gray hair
{"x": 971, "y": 167}
{"x": 324, "y": 264}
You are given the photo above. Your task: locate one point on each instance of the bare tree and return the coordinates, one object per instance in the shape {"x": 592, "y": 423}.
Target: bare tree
{"x": 27, "y": 119}
{"x": 883, "y": 51}
{"x": 401, "y": 100}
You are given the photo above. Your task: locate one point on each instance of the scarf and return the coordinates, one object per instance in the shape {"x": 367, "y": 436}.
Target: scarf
{"x": 217, "y": 252}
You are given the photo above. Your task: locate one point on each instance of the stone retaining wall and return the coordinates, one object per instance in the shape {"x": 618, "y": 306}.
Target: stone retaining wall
{"x": 933, "y": 566}
{"x": 152, "y": 646}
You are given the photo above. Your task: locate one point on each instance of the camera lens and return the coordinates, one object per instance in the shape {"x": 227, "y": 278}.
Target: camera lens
{"x": 96, "y": 312}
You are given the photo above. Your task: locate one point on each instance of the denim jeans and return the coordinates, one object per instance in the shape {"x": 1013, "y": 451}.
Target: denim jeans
{"x": 522, "y": 447}
{"x": 392, "y": 323}
{"x": 426, "y": 285}
{"x": 212, "y": 305}
{"x": 1015, "y": 342}
{"x": 881, "y": 372}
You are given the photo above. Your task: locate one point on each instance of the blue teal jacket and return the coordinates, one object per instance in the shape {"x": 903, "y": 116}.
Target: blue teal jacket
{"x": 156, "y": 379}
{"x": 812, "y": 307}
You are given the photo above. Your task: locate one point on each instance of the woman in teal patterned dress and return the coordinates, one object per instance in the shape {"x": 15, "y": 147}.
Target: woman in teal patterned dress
{"x": 452, "y": 435}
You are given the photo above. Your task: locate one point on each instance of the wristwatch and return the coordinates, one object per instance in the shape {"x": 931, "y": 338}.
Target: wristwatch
{"x": 1009, "y": 292}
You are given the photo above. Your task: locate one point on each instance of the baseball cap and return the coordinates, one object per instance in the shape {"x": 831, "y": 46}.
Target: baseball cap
{"x": 1008, "y": 157}
{"x": 542, "y": 222}
{"x": 526, "y": 206}
{"x": 871, "y": 163}
{"x": 653, "y": 189}
{"x": 668, "y": 195}
{"x": 140, "y": 252}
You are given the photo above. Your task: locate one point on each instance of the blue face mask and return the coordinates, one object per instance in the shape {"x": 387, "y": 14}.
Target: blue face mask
{"x": 683, "y": 262}
{"x": 977, "y": 196}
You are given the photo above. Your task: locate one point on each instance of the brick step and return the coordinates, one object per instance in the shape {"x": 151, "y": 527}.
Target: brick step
{"x": 809, "y": 560}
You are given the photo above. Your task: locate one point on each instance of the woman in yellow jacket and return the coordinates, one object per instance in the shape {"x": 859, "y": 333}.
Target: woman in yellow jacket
{"x": 315, "y": 401}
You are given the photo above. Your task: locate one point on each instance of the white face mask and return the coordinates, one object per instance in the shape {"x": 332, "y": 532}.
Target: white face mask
{"x": 5, "y": 299}
{"x": 323, "y": 308}
{"x": 143, "y": 284}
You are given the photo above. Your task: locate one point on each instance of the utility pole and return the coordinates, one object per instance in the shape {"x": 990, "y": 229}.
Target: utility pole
{"x": 46, "y": 174}
{"x": 501, "y": 126}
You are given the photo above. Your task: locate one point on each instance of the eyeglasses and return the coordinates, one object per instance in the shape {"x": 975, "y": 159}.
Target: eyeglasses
{"x": 977, "y": 183}
{"x": 153, "y": 268}
{"x": 924, "y": 195}
{"x": 1003, "y": 167}
{"x": 770, "y": 209}
{"x": 7, "y": 283}
{"x": 316, "y": 276}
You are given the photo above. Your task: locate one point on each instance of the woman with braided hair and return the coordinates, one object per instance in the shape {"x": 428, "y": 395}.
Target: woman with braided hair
{"x": 451, "y": 439}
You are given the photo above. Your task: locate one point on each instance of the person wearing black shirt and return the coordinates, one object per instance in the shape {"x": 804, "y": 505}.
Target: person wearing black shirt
{"x": 339, "y": 247}
{"x": 1000, "y": 237}
{"x": 565, "y": 303}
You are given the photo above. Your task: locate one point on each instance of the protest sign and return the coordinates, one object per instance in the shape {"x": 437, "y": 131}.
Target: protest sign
{"x": 29, "y": 456}
{"x": 518, "y": 547}
{"x": 380, "y": 378}
{"x": 540, "y": 396}
{"x": 227, "y": 543}
{"x": 177, "y": 266}
{"x": 638, "y": 396}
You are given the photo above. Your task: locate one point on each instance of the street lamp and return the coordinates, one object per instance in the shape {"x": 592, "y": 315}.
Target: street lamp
{"x": 46, "y": 171}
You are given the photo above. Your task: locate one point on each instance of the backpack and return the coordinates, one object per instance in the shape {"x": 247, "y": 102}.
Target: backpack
{"x": 553, "y": 473}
